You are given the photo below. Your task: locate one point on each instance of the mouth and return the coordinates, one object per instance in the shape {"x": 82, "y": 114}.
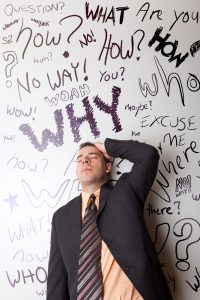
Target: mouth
{"x": 87, "y": 170}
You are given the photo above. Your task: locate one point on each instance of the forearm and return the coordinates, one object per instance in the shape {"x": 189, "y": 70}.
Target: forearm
{"x": 132, "y": 150}
{"x": 145, "y": 162}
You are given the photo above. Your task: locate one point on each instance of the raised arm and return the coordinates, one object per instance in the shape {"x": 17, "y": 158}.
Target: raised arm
{"x": 145, "y": 163}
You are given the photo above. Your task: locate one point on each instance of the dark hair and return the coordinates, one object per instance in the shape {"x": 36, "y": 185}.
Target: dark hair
{"x": 90, "y": 144}
{"x": 86, "y": 144}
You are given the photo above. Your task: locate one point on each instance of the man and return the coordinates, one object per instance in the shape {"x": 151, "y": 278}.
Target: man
{"x": 130, "y": 269}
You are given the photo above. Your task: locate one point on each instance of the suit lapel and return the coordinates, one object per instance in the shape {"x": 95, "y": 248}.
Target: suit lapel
{"x": 104, "y": 195}
{"x": 75, "y": 221}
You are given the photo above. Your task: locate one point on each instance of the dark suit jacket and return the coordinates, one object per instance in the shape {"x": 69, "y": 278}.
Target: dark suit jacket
{"x": 121, "y": 225}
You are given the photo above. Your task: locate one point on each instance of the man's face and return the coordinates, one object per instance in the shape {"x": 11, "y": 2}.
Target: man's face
{"x": 91, "y": 166}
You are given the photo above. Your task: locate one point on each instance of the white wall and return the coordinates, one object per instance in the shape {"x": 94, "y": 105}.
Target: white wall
{"x": 58, "y": 66}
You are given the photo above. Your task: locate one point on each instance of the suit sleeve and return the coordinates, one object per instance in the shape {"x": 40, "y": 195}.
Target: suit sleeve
{"x": 145, "y": 163}
{"x": 57, "y": 287}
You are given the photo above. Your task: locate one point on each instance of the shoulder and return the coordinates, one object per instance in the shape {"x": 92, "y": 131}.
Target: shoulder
{"x": 68, "y": 208}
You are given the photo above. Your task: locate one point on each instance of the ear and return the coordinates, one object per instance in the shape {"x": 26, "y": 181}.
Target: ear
{"x": 108, "y": 167}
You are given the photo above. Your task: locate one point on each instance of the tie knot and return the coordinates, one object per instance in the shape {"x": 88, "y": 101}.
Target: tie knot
{"x": 91, "y": 199}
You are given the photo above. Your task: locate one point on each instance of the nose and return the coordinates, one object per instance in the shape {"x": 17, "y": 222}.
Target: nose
{"x": 86, "y": 160}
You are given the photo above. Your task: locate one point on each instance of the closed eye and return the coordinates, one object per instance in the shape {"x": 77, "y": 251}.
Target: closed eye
{"x": 91, "y": 156}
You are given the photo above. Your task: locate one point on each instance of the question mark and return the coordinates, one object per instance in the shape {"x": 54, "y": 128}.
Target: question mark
{"x": 199, "y": 166}
{"x": 143, "y": 34}
{"x": 45, "y": 164}
{"x": 178, "y": 206}
{"x": 50, "y": 54}
{"x": 162, "y": 230}
{"x": 141, "y": 39}
{"x": 189, "y": 231}
{"x": 11, "y": 57}
{"x": 63, "y": 5}
{"x": 79, "y": 25}
{"x": 123, "y": 70}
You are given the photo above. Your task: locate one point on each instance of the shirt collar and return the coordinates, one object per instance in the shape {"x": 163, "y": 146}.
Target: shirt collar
{"x": 85, "y": 197}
